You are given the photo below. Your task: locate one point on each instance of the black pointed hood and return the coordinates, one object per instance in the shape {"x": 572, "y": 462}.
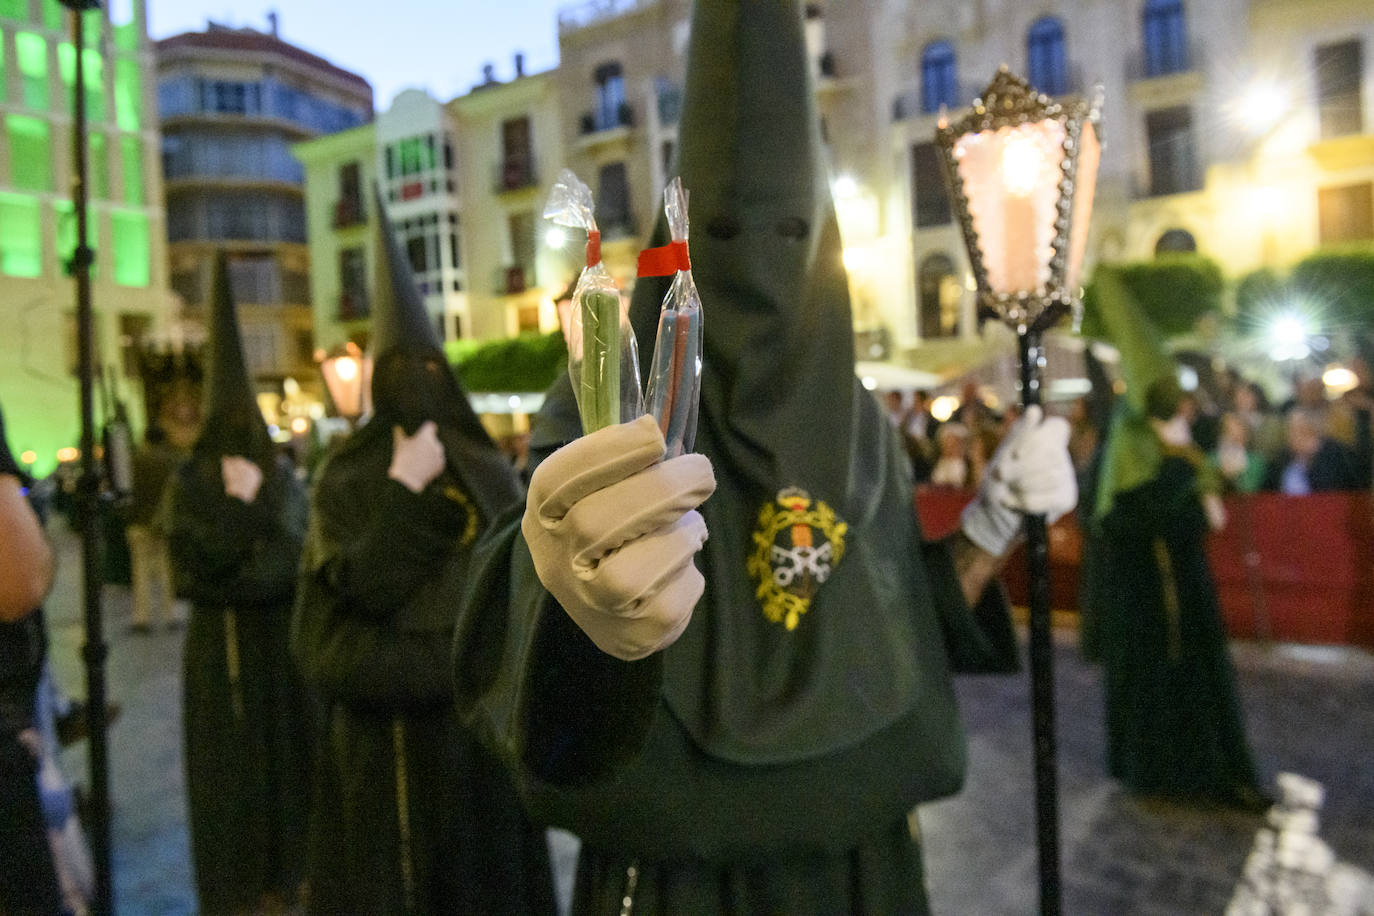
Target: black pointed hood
{"x": 413, "y": 382}
{"x": 233, "y": 424}
{"x": 773, "y": 667}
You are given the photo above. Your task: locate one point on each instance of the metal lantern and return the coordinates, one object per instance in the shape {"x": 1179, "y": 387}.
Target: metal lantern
{"x": 347, "y": 374}
{"x": 1022, "y": 169}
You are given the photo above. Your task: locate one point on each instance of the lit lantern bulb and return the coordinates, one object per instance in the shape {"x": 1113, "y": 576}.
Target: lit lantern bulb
{"x": 347, "y": 368}
{"x": 1022, "y": 160}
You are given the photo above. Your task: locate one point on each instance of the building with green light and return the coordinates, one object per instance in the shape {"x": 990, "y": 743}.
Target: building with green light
{"x": 232, "y": 101}
{"x": 132, "y": 301}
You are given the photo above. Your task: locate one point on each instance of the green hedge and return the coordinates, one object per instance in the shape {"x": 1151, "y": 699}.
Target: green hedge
{"x": 1174, "y": 290}
{"x": 529, "y": 362}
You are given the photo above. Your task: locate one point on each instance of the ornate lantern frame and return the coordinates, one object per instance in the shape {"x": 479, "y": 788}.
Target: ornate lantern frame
{"x": 1010, "y": 102}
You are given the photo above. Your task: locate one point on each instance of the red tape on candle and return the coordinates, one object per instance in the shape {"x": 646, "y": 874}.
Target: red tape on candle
{"x": 662, "y": 262}
{"x": 593, "y": 248}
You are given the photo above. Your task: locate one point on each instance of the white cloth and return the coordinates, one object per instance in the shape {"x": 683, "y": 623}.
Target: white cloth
{"x": 613, "y": 528}
{"x": 242, "y": 478}
{"x": 1030, "y": 474}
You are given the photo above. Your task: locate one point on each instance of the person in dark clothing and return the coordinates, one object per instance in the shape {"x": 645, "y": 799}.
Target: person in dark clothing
{"x": 235, "y": 520}
{"x": 412, "y": 815}
{"x": 150, "y": 563}
{"x": 723, "y": 738}
{"x": 1311, "y": 462}
{"x": 28, "y": 878}
{"x": 1174, "y": 722}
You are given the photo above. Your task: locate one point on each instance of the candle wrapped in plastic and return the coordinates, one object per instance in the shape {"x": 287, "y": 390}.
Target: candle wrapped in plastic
{"x": 675, "y": 376}
{"x": 603, "y": 360}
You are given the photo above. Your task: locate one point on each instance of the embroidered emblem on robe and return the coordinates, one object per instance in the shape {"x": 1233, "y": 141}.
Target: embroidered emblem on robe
{"x": 798, "y": 542}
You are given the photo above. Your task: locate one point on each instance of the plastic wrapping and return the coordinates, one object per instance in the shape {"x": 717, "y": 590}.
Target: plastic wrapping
{"x": 675, "y": 376}
{"x": 603, "y": 360}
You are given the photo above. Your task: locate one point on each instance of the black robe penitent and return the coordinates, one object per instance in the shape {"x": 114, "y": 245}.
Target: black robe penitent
{"x": 246, "y": 728}
{"x": 412, "y": 815}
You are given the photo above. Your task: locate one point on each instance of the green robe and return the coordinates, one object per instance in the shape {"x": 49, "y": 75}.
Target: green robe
{"x": 411, "y": 815}
{"x": 1174, "y": 721}
{"x": 599, "y": 749}
{"x": 245, "y": 723}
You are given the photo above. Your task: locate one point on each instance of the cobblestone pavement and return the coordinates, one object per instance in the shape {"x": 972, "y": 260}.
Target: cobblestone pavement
{"x": 1309, "y": 711}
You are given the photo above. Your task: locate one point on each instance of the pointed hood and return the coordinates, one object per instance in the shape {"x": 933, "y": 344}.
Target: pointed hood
{"x": 413, "y": 382}
{"x": 399, "y": 316}
{"x": 233, "y": 424}
{"x": 773, "y": 668}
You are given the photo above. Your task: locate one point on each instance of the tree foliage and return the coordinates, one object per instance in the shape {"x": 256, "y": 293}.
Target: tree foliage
{"x": 1174, "y": 290}
{"x": 528, "y": 362}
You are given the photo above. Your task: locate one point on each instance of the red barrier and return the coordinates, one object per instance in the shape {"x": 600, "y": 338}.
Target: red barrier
{"x": 1290, "y": 568}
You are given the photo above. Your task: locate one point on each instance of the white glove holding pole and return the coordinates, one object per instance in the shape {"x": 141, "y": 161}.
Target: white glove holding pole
{"x": 613, "y": 529}
{"x": 416, "y": 460}
{"x": 1030, "y": 474}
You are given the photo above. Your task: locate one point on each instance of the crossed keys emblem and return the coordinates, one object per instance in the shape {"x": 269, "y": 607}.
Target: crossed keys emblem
{"x": 801, "y": 560}
{"x": 798, "y": 542}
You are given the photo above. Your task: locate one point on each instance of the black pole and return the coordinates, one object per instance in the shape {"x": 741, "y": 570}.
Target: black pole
{"x": 1041, "y": 662}
{"x": 94, "y": 650}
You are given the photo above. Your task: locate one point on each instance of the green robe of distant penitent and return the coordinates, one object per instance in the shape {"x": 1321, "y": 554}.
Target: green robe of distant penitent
{"x": 413, "y": 816}
{"x": 684, "y": 827}
{"x": 246, "y": 731}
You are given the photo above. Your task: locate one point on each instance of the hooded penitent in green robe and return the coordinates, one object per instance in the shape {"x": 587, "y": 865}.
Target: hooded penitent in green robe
{"x": 767, "y": 760}
{"x": 1174, "y": 722}
{"x": 412, "y": 814}
{"x": 247, "y": 741}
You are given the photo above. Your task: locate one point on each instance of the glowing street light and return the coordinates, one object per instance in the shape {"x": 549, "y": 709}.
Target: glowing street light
{"x": 347, "y": 374}
{"x": 1022, "y": 170}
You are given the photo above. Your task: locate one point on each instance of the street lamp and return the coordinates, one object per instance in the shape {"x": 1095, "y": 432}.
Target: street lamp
{"x": 1022, "y": 169}
{"x": 347, "y": 374}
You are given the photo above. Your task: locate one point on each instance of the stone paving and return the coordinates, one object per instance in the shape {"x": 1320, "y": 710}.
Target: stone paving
{"x": 1309, "y": 711}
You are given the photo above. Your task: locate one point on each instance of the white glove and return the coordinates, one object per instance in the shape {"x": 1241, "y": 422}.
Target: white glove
{"x": 612, "y": 528}
{"x": 1031, "y": 474}
{"x": 417, "y": 459}
{"x": 241, "y": 477}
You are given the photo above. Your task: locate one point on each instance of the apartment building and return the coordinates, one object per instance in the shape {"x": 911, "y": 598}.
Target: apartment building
{"x": 39, "y": 390}
{"x": 232, "y": 101}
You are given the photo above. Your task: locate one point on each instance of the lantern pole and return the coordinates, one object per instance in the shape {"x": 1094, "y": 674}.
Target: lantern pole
{"x": 1029, "y": 307}
{"x": 94, "y": 651}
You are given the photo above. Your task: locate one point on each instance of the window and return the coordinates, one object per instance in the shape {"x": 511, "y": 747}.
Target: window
{"x": 93, "y": 73}
{"x": 349, "y": 211}
{"x": 1173, "y": 160}
{"x": 353, "y": 302}
{"x": 929, "y": 191}
{"x": 31, "y": 51}
{"x": 666, "y": 153}
{"x": 410, "y": 163}
{"x": 939, "y": 80}
{"x": 128, "y": 94}
{"x": 1176, "y": 240}
{"x": 133, "y": 329}
{"x": 131, "y": 153}
{"x": 1338, "y": 88}
{"x": 99, "y": 167}
{"x": 1346, "y": 214}
{"x": 455, "y": 252}
{"x": 939, "y": 293}
{"x": 1048, "y": 68}
{"x": 522, "y": 244}
{"x": 611, "y": 109}
{"x": 14, "y": 9}
{"x": 132, "y": 251}
{"x": 1166, "y": 37}
{"x": 227, "y": 97}
{"x": 21, "y": 236}
{"x": 613, "y": 201}
{"x": 255, "y": 280}
{"x": 30, "y": 153}
{"x": 419, "y": 237}
{"x": 517, "y": 161}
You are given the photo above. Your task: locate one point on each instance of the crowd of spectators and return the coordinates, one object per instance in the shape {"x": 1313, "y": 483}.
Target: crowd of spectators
{"x": 1311, "y": 442}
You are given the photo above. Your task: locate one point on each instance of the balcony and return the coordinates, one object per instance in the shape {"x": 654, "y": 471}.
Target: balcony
{"x": 515, "y": 175}
{"x": 354, "y": 305}
{"x": 349, "y": 212}
{"x": 669, "y": 101}
{"x": 600, "y": 120}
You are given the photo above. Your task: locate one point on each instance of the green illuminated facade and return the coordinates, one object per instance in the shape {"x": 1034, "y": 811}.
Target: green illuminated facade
{"x": 132, "y": 301}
